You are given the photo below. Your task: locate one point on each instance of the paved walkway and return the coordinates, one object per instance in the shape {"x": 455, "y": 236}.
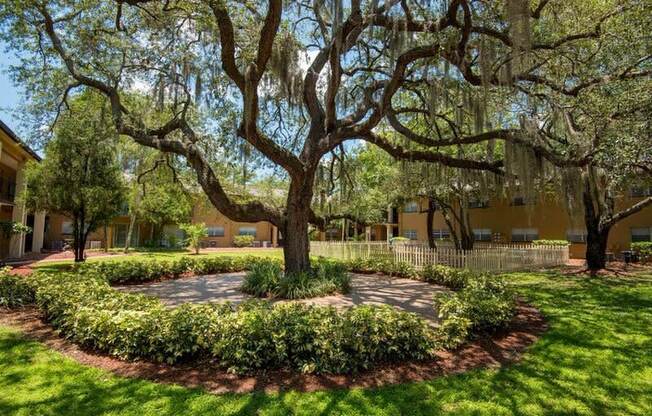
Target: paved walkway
{"x": 405, "y": 294}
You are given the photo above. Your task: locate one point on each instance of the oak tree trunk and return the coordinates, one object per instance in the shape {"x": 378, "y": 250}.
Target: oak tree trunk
{"x": 596, "y": 248}
{"x": 296, "y": 243}
{"x": 432, "y": 207}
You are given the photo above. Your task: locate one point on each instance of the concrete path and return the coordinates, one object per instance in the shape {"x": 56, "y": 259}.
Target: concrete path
{"x": 405, "y": 294}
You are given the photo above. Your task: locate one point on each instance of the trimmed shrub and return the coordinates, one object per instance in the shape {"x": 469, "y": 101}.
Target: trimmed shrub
{"x": 14, "y": 290}
{"x": 267, "y": 279}
{"x": 253, "y": 335}
{"x": 644, "y": 250}
{"x": 381, "y": 265}
{"x": 243, "y": 240}
{"x": 144, "y": 270}
{"x": 446, "y": 276}
{"x": 483, "y": 305}
{"x": 559, "y": 243}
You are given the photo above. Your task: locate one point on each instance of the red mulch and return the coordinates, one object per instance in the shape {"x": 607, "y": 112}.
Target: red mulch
{"x": 500, "y": 349}
{"x": 614, "y": 268}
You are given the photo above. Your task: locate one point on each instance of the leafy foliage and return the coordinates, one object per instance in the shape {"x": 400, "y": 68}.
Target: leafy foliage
{"x": 560, "y": 243}
{"x": 380, "y": 265}
{"x": 243, "y": 240}
{"x": 194, "y": 234}
{"x": 253, "y": 335}
{"x": 484, "y": 304}
{"x": 14, "y": 290}
{"x": 8, "y": 228}
{"x": 267, "y": 279}
{"x": 145, "y": 270}
{"x": 447, "y": 276}
{"x": 79, "y": 176}
{"x": 644, "y": 248}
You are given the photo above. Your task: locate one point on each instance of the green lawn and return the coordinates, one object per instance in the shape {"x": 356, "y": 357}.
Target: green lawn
{"x": 595, "y": 359}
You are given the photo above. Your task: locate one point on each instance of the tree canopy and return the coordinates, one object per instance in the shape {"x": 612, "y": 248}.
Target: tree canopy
{"x": 79, "y": 177}
{"x": 297, "y": 80}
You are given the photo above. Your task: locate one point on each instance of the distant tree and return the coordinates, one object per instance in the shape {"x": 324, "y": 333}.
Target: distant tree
{"x": 79, "y": 176}
{"x": 156, "y": 193}
{"x": 194, "y": 234}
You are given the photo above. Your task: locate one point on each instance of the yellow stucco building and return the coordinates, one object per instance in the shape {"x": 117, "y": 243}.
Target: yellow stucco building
{"x": 14, "y": 154}
{"x": 506, "y": 221}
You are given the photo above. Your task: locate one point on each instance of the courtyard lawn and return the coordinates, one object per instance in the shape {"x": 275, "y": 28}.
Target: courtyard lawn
{"x": 595, "y": 359}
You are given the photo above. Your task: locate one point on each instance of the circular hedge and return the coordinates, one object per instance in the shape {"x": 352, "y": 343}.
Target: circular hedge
{"x": 245, "y": 337}
{"x": 255, "y": 334}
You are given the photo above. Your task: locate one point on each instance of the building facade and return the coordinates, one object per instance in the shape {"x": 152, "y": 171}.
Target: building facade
{"x": 14, "y": 155}
{"x": 502, "y": 220}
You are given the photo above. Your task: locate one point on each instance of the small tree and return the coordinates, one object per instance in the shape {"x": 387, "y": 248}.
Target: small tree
{"x": 194, "y": 234}
{"x": 79, "y": 177}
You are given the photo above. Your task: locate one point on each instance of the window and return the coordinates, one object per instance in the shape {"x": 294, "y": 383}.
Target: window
{"x": 525, "y": 234}
{"x": 518, "y": 201}
{"x": 411, "y": 207}
{"x": 482, "y": 234}
{"x": 66, "y": 227}
{"x": 641, "y": 234}
{"x": 576, "y": 236}
{"x": 216, "y": 231}
{"x": 641, "y": 191}
{"x": 411, "y": 234}
{"x": 478, "y": 203}
{"x": 247, "y": 231}
{"x": 441, "y": 234}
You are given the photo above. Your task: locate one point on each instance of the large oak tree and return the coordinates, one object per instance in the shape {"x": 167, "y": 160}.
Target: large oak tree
{"x": 305, "y": 77}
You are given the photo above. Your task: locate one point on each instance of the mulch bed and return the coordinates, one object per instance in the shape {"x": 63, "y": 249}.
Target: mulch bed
{"x": 499, "y": 349}
{"x": 614, "y": 268}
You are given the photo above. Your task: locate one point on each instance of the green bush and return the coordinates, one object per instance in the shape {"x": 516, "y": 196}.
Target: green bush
{"x": 382, "y": 265}
{"x": 243, "y": 240}
{"x": 446, "y": 276}
{"x": 253, "y": 335}
{"x": 559, "y": 243}
{"x": 14, "y": 290}
{"x": 483, "y": 305}
{"x": 140, "y": 270}
{"x": 267, "y": 279}
{"x": 644, "y": 249}
{"x": 194, "y": 234}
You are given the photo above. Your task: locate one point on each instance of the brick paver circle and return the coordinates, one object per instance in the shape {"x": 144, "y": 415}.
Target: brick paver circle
{"x": 405, "y": 294}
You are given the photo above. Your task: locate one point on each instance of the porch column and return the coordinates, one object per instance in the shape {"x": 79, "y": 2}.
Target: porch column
{"x": 38, "y": 232}
{"x": 17, "y": 241}
{"x": 274, "y": 236}
{"x": 367, "y": 233}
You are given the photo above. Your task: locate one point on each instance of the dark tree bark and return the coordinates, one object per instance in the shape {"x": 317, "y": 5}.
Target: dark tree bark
{"x": 432, "y": 208}
{"x": 296, "y": 244}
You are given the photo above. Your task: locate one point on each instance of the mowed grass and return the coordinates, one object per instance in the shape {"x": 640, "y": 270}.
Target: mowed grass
{"x": 596, "y": 359}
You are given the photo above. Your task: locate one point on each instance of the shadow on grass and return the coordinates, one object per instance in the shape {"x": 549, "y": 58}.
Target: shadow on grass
{"x": 595, "y": 359}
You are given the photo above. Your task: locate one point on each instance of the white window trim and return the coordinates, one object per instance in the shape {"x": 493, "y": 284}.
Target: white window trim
{"x": 410, "y": 232}
{"x": 528, "y": 234}
{"x": 252, "y": 229}
{"x": 482, "y": 232}
{"x": 411, "y": 207}
{"x": 649, "y": 233}
{"x": 216, "y": 231}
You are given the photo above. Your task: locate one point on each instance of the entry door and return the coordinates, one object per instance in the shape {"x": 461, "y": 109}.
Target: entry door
{"x": 120, "y": 236}
{"x": 29, "y": 237}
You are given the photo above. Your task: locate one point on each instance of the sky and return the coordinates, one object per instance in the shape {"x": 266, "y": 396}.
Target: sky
{"x": 9, "y": 93}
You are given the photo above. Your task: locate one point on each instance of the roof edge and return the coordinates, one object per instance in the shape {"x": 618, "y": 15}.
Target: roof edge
{"x": 18, "y": 141}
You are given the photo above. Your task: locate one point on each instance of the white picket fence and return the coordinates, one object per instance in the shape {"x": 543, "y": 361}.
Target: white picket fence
{"x": 492, "y": 258}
